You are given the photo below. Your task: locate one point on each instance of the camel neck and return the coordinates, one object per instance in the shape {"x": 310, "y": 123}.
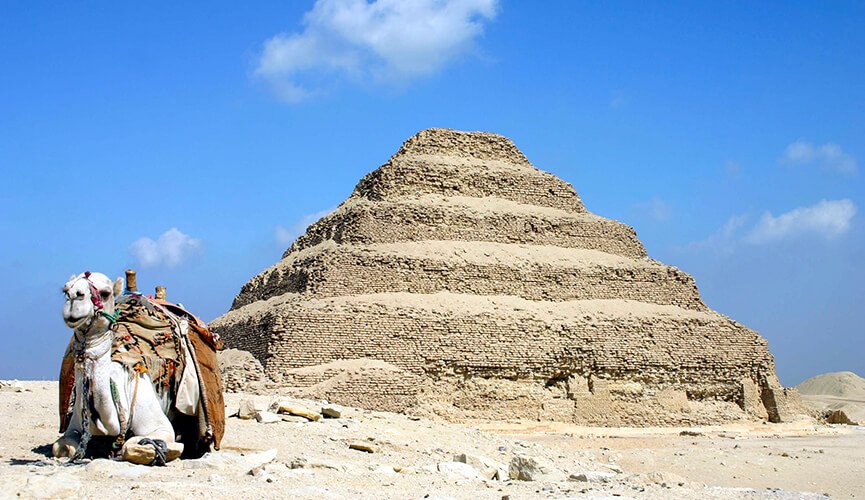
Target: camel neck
{"x": 95, "y": 342}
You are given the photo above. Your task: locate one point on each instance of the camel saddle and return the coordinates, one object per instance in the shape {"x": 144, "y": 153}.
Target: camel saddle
{"x": 148, "y": 339}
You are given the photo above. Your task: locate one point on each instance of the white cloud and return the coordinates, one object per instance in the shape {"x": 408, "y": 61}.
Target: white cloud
{"x": 388, "y": 41}
{"x": 830, "y": 157}
{"x": 171, "y": 249}
{"x": 285, "y": 236}
{"x": 656, "y": 208}
{"x": 826, "y": 218}
{"x": 724, "y": 239}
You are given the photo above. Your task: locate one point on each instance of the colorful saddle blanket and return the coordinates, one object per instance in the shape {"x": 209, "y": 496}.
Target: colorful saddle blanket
{"x": 146, "y": 341}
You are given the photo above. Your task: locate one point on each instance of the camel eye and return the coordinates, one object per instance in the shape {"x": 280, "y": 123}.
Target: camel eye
{"x": 79, "y": 294}
{"x": 105, "y": 294}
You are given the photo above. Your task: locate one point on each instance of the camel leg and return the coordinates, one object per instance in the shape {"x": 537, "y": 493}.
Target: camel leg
{"x": 149, "y": 422}
{"x": 67, "y": 444}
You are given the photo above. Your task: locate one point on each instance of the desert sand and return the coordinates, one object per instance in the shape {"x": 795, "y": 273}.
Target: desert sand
{"x": 415, "y": 458}
{"x": 843, "y": 391}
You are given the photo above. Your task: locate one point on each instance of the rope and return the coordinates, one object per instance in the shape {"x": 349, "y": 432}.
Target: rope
{"x": 112, "y": 318}
{"x": 121, "y": 415}
{"x": 159, "y": 447}
{"x": 85, "y": 419}
{"x": 139, "y": 369}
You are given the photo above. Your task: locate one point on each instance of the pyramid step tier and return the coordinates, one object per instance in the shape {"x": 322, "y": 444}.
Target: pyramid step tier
{"x": 460, "y": 218}
{"x": 459, "y": 146}
{"x": 419, "y": 176}
{"x": 700, "y": 352}
{"x": 528, "y": 271}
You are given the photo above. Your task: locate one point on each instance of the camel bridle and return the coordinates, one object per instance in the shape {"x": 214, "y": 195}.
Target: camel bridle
{"x": 96, "y": 300}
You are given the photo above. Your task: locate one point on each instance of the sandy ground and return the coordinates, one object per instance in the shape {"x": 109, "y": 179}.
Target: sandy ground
{"x": 413, "y": 458}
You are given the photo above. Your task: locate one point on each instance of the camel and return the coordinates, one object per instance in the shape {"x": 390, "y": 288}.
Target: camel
{"x": 114, "y": 399}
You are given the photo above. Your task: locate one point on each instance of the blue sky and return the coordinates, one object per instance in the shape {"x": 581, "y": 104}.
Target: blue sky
{"x": 193, "y": 141}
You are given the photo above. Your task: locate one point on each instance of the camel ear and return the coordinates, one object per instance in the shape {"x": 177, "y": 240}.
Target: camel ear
{"x": 118, "y": 287}
{"x": 72, "y": 277}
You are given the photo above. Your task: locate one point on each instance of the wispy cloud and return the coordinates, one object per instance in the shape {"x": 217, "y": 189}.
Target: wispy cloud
{"x": 656, "y": 209}
{"x": 725, "y": 239}
{"x": 284, "y": 236}
{"x": 826, "y": 219}
{"x": 171, "y": 249}
{"x": 385, "y": 41}
{"x": 829, "y": 157}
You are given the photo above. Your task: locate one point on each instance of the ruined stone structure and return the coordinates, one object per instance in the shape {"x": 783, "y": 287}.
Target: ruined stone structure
{"x": 458, "y": 279}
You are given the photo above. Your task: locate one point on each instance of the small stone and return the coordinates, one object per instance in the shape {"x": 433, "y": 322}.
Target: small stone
{"x": 487, "y": 468}
{"x": 295, "y": 420}
{"x": 286, "y": 407}
{"x": 690, "y": 433}
{"x": 266, "y": 417}
{"x": 302, "y": 463}
{"x": 261, "y": 474}
{"x": 459, "y": 470}
{"x": 385, "y": 469}
{"x": 362, "y": 446}
{"x": 247, "y": 410}
{"x": 145, "y": 454}
{"x": 591, "y": 477}
{"x": 665, "y": 479}
{"x": 526, "y": 469}
{"x": 330, "y": 412}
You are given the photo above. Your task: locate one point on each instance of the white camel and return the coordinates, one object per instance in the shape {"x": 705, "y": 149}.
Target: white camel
{"x": 109, "y": 396}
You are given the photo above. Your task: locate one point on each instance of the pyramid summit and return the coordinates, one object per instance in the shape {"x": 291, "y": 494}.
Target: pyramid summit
{"x": 460, "y": 280}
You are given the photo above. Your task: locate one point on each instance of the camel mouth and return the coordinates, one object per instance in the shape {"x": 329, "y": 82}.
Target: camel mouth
{"x": 74, "y": 322}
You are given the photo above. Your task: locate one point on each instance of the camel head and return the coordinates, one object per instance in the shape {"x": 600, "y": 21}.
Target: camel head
{"x": 88, "y": 295}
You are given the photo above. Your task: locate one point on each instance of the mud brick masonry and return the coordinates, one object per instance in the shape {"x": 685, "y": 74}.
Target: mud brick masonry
{"x": 460, "y": 280}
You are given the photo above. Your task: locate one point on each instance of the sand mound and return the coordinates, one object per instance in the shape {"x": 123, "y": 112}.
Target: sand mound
{"x": 843, "y": 391}
{"x": 838, "y": 384}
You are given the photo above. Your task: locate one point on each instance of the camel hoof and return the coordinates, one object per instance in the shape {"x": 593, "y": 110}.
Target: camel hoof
{"x": 61, "y": 449}
{"x": 145, "y": 454}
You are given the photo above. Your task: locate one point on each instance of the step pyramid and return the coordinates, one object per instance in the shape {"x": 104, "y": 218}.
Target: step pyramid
{"x": 460, "y": 280}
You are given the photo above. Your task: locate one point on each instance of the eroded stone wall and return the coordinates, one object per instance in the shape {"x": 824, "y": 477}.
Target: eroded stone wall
{"x": 477, "y": 269}
{"x": 423, "y": 219}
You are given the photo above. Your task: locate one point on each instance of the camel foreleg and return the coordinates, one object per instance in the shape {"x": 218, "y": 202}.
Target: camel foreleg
{"x": 153, "y": 441}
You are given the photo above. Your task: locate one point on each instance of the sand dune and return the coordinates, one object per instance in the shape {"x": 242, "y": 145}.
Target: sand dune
{"x": 836, "y": 391}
